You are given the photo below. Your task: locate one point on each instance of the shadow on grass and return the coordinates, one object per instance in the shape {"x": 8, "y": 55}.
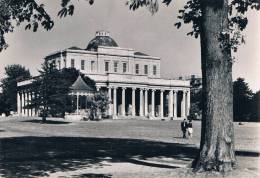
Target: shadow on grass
{"x": 46, "y": 122}
{"x": 39, "y": 156}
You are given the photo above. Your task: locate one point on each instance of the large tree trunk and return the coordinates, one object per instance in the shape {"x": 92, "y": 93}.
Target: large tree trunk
{"x": 217, "y": 134}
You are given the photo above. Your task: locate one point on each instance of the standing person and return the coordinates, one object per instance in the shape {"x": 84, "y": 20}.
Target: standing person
{"x": 184, "y": 127}
{"x": 190, "y": 130}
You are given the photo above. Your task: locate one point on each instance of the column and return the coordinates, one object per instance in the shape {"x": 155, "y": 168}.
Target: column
{"x": 77, "y": 103}
{"x": 18, "y": 104}
{"x": 133, "y": 101}
{"x": 175, "y": 103}
{"x": 153, "y": 102}
{"x": 29, "y": 102}
{"x": 141, "y": 111}
{"x": 123, "y": 101}
{"x": 33, "y": 109}
{"x": 161, "y": 103}
{"x": 146, "y": 102}
{"x": 188, "y": 103}
{"x": 183, "y": 104}
{"x": 25, "y": 103}
{"x": 22, "y": 109}
{"x": 115, "y": 102}
{"x": 171, "y": 104}
{"x": 98, "y": 88}
{"x": 109, "y": 100}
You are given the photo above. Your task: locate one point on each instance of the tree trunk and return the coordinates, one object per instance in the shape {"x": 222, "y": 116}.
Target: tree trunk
{"x": 217, "y": 133}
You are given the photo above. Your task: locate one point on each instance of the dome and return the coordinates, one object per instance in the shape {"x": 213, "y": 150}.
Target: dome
{"x": 102, "y": 39}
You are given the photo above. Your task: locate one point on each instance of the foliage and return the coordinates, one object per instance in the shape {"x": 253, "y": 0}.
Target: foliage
{"x": 14, "y": 73}
{"x": 52, "y": 89}
{"x": 242, "y": 105}
{"x": 15, "y": 12}
{"x": 255, "y": 104}
{"x": 98, "y": 105}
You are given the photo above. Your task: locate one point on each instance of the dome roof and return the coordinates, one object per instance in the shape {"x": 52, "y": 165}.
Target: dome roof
{"x": 102, "y": 39}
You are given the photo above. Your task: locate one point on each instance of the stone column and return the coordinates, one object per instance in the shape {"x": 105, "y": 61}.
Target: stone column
{"x": 141, "y": 111}
{"x": 33, "y": 109}
{"x": 175, "y": 103}
{"x": 115, "y": 102}
{"x": 153, "y": 103}
{"x": 110, "y": 104}
{"x": 146, "y": 102}
{"x": 161, "y": 104}
{"x": 98, "y": 88}
{"x": 18, "y": 104}
{"x": 22, "y": 104}
{"x": 183, "y": 104}
{"x": 29, "y": 101}
{"x": 171, "y": 104}
{"x": 133, "y": 101}
{"x": 123, "y": 101}
{"x": 188, "y": 103}
{"x": 25, "y": 103}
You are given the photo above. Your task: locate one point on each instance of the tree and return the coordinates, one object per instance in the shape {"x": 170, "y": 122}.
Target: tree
{"x": 52, "y": 88}
{"x": 98, "y": 105}
{"x": 219, "y": 25}
{"x": 255, "y": 105}
{"x": 14, "y": 73}
{"x": 242, "y": 100}
{"x": 15, "y": 12}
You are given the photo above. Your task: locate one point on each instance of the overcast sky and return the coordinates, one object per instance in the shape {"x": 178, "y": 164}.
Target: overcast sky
{"x": 139, "y": 30}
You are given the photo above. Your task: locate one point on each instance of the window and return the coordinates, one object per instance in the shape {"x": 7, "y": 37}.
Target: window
{"x": 92, "y": 65}
{"x": 154, "y": 70}
{"x": 145, "y": 69}
{"x": 115, "y": 66}
{"x": 82, "y": 64}
{"x": 137, "y": 68}
{"x": 72, "y": 63}
{"x": 124, "y": 67}
{"x": 106, "y": 66}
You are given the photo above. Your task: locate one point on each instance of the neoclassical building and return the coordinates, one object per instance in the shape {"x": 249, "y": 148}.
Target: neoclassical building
{"x": 130, "y": 78}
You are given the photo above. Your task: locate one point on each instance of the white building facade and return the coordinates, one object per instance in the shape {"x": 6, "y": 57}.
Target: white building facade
{"x": 130, "y": 78}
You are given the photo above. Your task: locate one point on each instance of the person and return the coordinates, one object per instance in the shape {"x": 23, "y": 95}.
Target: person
{"x": 189, "y": 128}
{"x": 184, "y": 127}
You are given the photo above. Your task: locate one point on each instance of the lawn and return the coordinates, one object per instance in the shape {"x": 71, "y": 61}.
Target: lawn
{"x": 110, "y": 148}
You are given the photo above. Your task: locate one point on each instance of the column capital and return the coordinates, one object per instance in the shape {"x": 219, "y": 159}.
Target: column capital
{"x": 175, "y": 91}
{"x": 124, "y": 88}
{"x": 162, "y": 90}
{"x": 133, "y": 88}
{"x": 153, "y": 89}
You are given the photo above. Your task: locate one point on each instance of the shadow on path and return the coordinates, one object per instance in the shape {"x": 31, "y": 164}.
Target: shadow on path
{"x": 39, "y": 156}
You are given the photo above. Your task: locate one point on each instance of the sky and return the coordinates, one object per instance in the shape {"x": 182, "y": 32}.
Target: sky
{"x": 155, "y": 35}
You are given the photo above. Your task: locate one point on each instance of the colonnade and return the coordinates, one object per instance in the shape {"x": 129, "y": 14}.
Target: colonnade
{"x": 23, "y": 99}
{"x": 148, "y": 104}
{"x": 131, "y": 101}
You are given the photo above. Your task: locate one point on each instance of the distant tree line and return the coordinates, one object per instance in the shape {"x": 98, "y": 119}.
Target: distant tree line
{"x": 246, "y": 103}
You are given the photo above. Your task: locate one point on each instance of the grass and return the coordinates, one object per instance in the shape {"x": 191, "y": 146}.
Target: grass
{"x": 110, "y": 148}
